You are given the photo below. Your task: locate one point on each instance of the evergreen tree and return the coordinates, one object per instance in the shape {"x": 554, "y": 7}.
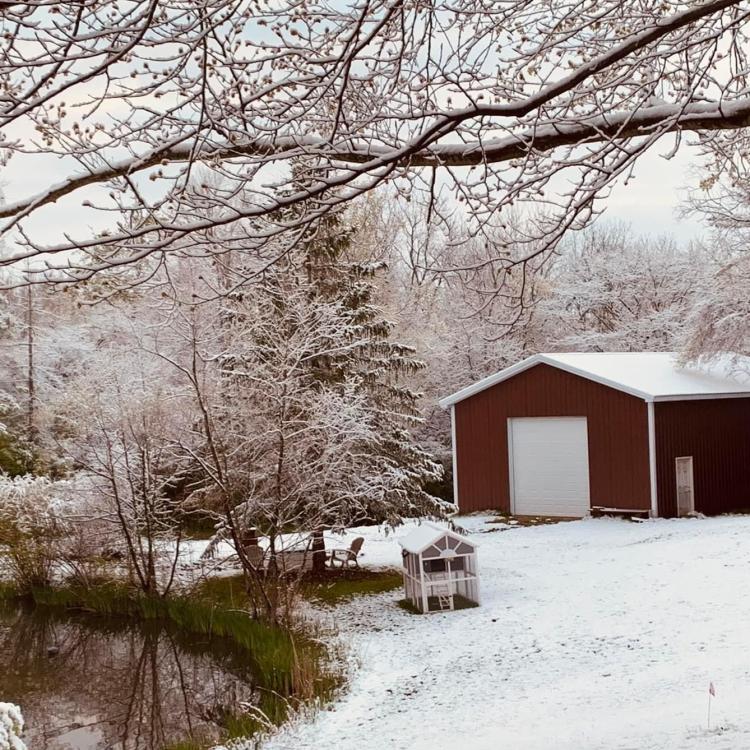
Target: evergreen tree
{"x": 379, "y": 366}
{"x": 321, "y": 294}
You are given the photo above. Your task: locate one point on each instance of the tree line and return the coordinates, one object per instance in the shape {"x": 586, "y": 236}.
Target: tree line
{"x": 298, "y": 392}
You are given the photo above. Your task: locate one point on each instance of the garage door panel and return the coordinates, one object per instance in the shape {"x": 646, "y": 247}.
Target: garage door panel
{"x": 549, "y": 468}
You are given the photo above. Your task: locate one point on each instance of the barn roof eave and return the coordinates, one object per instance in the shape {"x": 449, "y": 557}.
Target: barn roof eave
{"x": 528, "y": 363}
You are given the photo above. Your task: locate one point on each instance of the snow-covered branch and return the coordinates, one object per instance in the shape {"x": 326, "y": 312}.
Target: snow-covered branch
{"x": 11, "y": 727}
{"x": 509, "y": 100}
{"x": 663, "y": 118}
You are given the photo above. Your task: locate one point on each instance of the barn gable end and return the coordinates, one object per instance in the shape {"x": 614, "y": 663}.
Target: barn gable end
{"x": 617, "y": 437}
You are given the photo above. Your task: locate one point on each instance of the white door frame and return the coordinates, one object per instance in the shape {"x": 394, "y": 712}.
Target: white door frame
{"x": 511, "y": 465}
{"x": 689, "y": 462}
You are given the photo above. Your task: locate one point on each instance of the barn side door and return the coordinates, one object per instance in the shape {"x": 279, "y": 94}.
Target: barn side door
{"x": 685, "y": 488}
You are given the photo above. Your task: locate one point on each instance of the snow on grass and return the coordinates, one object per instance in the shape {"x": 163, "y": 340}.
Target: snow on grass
{"x": 591, "y": 634}
{"x": 377, "y": 553}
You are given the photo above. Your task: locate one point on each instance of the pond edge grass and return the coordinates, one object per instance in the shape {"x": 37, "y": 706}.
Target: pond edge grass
{"x": 293, "y": 666}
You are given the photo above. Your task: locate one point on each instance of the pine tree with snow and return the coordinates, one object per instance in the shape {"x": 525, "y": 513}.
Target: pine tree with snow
{"x": 311, "y": 322}
{"x": 379, "y": 366}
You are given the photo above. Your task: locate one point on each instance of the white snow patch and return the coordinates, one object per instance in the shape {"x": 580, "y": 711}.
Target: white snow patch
{"x": 591, "y": 634}
{"x": 11, "y": 727}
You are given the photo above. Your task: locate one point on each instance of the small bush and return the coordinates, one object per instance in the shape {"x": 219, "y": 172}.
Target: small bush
{"x": 11, "y": 727}
{"x": 49, "y": 533}
{"x": 30, "y": 529}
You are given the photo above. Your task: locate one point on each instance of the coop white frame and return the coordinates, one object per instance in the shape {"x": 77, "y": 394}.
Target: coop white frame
{"x": 437, "y": 543}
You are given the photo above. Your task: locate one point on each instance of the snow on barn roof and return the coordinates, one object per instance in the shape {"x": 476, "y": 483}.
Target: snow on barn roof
{"x": 652, "y": 376}
{"x": 426, "y": 534}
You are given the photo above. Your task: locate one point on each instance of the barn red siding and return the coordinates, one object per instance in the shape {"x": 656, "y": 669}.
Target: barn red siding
{"x": 618, "y": 437}
{"x": 716, "y": 433}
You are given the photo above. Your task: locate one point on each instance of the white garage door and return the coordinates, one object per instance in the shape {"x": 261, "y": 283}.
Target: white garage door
{"x": 549, "y": 466}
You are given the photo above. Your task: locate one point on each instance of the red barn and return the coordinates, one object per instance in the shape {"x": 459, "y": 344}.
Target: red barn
{"x": 559, "y": 434}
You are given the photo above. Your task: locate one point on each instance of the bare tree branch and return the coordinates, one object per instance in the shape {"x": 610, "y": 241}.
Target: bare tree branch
{"x": 318, "y": 107}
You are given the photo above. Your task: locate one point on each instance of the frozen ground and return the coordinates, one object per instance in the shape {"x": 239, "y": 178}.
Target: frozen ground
{"x": 591, "y": 634}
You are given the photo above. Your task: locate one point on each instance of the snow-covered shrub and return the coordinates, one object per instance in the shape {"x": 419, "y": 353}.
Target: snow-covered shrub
{"x": 32, "y": 527}
{"x": 127, "y": 430}
{"x": 54, "y": 529}
{"x": 11, "y": 727}
{"x": 15, "y": 456}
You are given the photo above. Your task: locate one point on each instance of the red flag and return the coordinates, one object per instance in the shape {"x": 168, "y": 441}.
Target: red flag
{"x": 712, "y": 689}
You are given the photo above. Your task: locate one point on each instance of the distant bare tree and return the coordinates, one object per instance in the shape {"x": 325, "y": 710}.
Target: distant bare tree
{"x": 614, "y": 291}
{"x": 720, "y": 322}
{"x": 124, "y": 433}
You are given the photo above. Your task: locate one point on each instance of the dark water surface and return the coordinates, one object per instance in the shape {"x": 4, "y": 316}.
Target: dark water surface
{"x": 90, "y": 682}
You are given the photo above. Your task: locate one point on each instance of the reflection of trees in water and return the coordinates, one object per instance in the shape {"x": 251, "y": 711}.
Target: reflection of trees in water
{"x": 117, "y": 686}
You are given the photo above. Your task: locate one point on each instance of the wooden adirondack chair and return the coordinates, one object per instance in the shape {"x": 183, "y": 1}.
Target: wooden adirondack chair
{"x": 346, "y": 555}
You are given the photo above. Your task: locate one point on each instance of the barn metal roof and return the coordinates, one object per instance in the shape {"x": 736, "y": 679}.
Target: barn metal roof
{"x": 652, "y": 376}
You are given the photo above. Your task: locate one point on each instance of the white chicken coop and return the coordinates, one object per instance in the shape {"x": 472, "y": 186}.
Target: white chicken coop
{"x": 440, "y": 569}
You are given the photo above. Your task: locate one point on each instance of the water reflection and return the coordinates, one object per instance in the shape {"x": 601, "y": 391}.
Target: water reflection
{"x": 91, "y": 682}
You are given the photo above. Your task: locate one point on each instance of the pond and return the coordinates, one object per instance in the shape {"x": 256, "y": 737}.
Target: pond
{"x": 89, "y": 682}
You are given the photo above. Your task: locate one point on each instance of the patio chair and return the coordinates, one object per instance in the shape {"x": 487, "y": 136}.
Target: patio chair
{"x": 345, "y": 555}
{"x": 254, "y": 555}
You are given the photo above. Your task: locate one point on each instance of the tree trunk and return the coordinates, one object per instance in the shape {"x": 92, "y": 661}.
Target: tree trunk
{"x": 30, "y": 381}
{"x": 318, "y": 552}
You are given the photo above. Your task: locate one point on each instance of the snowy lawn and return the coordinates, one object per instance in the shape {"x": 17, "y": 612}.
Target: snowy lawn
{"x": 591, "y": 634}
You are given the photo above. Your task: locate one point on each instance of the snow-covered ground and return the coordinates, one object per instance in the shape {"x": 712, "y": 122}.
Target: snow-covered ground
{"x": 591, "y": 634}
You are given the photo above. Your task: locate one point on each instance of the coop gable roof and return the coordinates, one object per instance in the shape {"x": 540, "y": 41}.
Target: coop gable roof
{"x": 652, "y": 376}
{"x": 426, "y": 534}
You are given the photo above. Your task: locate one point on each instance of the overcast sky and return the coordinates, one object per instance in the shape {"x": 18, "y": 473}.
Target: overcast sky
{"x": 650, "y": 201}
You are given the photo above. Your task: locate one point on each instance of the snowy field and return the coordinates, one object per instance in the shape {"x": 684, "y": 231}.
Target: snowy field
{"x": 591, "y": 634}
